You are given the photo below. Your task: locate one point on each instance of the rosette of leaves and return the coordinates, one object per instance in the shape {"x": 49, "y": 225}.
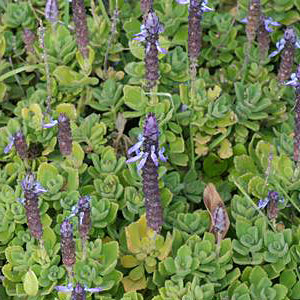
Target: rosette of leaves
{"x": 99, "y": 267}
{"x": 132, "y": 296}
{"x": 249, "y": 172}
{"x": 222, "y": 41}
{"x": 60, "y": 46}
{"x": 251, "y": 105}
{"x": 249, "y": 245}
{"x": 289, "y": 279}
{"x": 193, "y": 223}
{"x": 145, "y": 249}
{"x": 18, "y": 14}
{"x": 242, "y": 210}
{"x": 259, "y": 286}
{"x": 107, "y": 163}
{"x": 190, "y": 290}
{"x": 109, "y": 187}
{"x": 48, "y": 175}
{"x": 132, "y": 203}
{"x": 104, "y": 212}
{"x": 107, "y": 98}
{"x": 178, "y": 61}
{"x": 212, "y": 121}
{"x": 90, "y": 132}
{"x": 179, "y": 205}
{"x": 277, "y": 252}
{"x": 198, "y": 258}
{"x": 44, "y": 263}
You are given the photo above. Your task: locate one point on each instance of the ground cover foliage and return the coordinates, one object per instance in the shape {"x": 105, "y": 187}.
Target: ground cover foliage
{"x": 80, "y": 81}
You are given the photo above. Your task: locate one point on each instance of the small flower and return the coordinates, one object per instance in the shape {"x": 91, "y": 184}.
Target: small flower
{"x": 30, "y": 185}
{"x": 28, "y": 38}
{"x": 78, "y": 292}
{"x": 142, "y": 156}
{"x": 279, "y": 45}
{"x": 294, "y": 81}
{"x": 272, "y": 196}
{"x": 203, "y": 7}
{"x": 51, "y": 124}
{"x": 267, "y": 22}
{"x": 10, "y": 145}
{"x": 18, "y": 140}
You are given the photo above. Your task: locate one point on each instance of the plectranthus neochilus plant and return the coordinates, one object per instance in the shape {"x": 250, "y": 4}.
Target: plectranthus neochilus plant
{"x": 83, "y": 211}
{"x": 263, "y": 34}
{"x": 271, "y": 202}
{"x": 32, "y": 189}
{"x": 81, "y": 29}
{"x": 51, "y": 11}
{"x": 196, "y": 10}
{"x": 147, "y": 151}
{"x": 287, "y": 45}
{"x": 67, "y": 246}
{"x": 295, "y": 82}
{"x": 150, "y": 31}
{"x": 18, "y": 140}
{"x": 64, "y": 133}
{"x": 78, "y": 292}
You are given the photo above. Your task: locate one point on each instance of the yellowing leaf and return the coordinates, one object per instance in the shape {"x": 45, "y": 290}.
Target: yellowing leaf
{"x": 31, "y": 283}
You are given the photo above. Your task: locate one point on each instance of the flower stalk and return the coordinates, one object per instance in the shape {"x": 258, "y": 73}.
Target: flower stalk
{"x": 81, "y": 28}
{"x": 64, "y": 135}
{"x": 148, "y": 153}
{"x": 149, "y": 34}
{"x": 32, "y": 189}
{"x": 68, "y": 247}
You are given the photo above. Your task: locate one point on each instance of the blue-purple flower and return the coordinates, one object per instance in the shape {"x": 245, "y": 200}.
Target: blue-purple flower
{"x": 29, "y": 184}
{"x": 150, "y": 31}
{"x": 272, "y": 196}
{"x": 78, "y": 290}
{"x": 142, "y": 156}
{"x": 267, "y": 22}
{"x": 204, "y": 7}
{"x": 51, "y": 124}
{"x": 295, "y": 79}
{"x": 281, "y": 44}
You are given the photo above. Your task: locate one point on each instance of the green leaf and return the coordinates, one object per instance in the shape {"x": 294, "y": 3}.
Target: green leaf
{"x": 31, "y": 283}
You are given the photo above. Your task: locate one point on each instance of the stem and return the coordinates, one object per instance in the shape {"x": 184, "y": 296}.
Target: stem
{"x": 110, "y": 39}
{"x": 192, "y": 148}
{"x": 47, "y": 71}
{"x": 67, "y": 15}
{"x": 253, "y": 203}
{"x": 153, "y": 95}
{"x": 193, "y": 75}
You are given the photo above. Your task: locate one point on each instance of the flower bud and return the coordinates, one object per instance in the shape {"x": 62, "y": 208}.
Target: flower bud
{"x": 81, "y": 27}
{"x": 64, "y": 135}
{"x": 67, "y": 244}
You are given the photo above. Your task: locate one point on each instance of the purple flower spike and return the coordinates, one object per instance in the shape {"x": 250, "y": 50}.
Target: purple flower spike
{"x": 10, "y": 145}
{"x": 279, "y": 45}
{"x": 269, "y": 21}
{"x": 51, "y": 11}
